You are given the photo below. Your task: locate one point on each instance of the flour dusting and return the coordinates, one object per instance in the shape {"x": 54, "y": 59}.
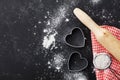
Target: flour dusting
{"x": 54, "y": 22}
{"x": 95, "y": 1}
{"x": 75, "y": 76}
{"x": 49, "y": 40}
{"x": 67, "y": 20}
{"x": 39, "y": 22}
{"x": 57, "y": 62}
{"x": 59, "y": 16}
{"x": 57, "y": 1}
{"x": 51, "y": 25}
{"x": 48, "y": 22}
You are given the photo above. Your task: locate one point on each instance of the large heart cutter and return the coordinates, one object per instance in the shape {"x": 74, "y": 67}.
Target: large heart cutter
{"x": 75, "y": 38}
{"x": 76, "y": 62}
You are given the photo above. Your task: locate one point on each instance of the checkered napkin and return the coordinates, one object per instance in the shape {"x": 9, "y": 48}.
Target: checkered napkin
{"x": 98, "y": 48}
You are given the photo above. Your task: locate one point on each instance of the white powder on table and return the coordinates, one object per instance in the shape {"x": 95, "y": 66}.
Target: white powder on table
{"x": 66, "y": 20}
{"x": 75, "y": 76}
{"x": 95, "y": 1}
{"x": 57, "y": 1}
{"x": 51, "y": 25}
{"x": 49, "y": 40}
{"x": 54, "y": 22}
{"x": 57, "y": 62}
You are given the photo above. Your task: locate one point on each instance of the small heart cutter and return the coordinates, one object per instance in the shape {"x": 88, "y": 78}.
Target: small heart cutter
{"x": 75, "y": 38}
{"x": 76, "y": 62}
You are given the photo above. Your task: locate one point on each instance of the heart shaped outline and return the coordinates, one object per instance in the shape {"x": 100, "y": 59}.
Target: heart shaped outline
{"x": 71, "y": 34}
{"x": 80, "y": 58}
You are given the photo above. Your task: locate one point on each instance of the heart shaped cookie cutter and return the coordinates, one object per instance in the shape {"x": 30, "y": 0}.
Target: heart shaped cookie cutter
{"x": 75, "y": 38}
{"x": 76, "y": 62}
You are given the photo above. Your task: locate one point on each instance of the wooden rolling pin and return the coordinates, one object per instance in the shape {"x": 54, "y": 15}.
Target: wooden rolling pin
{"x": 103, "y": 36}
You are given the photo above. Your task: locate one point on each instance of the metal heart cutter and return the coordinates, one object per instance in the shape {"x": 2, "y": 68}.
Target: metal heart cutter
{"x": 75, "y": 38}
{"x": 77, "y": 62}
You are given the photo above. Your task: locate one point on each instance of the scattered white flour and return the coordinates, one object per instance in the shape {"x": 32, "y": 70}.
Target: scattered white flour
{"x": 75, "y": 76}
{"x": 39, "y": 22}
{"x": 118, "y": 21}
{"x": 57, "y": 1}
{"x": 34, "y": 33}
{"x": 57, "y": 62}
{"x": 51, "y": 25}
{"x": 48, "y": 22}
{"x": 104, "y": 16}
{"x": 45, "y": 30}
{"x": 35, "y": 26}
{"x": 67, "y": 20}
{"x": 49, "y": 40}
{"x": 59, "y": 15}
{"x": 45, "y": 17}
{"x": 49, "y": 63}
{"x": 95, "y": 1}
{"x": 48, "y": 12}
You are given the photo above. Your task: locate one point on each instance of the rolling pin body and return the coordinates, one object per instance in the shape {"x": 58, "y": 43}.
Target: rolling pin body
{"x": 103, "y": 36}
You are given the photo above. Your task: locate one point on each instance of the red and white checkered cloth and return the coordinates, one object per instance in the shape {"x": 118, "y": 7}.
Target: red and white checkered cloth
{"x": 98, "y": 48}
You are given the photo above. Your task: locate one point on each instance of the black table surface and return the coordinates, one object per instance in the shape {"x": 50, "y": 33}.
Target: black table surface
{"x": 26, "y": 24}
